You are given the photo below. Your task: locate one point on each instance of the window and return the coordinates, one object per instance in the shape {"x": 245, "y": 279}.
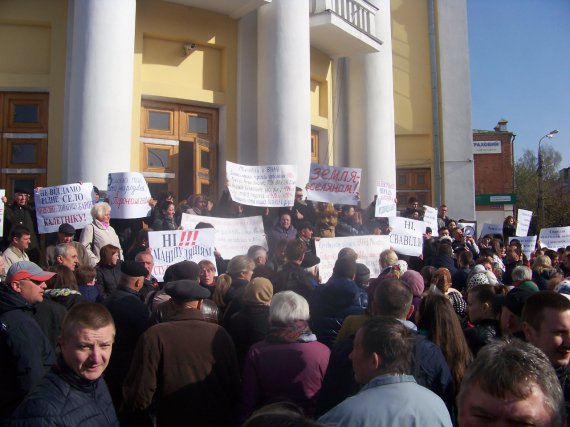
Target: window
{"x": 314, "y": 146}
{"x": 23, "y": 140}
{"x": 413, "y": 183}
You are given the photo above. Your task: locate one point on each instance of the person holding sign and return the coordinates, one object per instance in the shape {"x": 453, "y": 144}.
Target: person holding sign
{"x": 100, "y": 233}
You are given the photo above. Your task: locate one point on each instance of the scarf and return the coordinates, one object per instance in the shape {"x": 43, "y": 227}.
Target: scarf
{"x": 295, "y": 331}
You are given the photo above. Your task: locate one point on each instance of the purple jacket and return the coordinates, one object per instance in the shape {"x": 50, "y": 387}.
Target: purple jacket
{"x": 274, "y": 372}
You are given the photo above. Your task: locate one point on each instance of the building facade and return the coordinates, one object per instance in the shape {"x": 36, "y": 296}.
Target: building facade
{"x": 494, "y": 174}
{"x": 175, "y": 88}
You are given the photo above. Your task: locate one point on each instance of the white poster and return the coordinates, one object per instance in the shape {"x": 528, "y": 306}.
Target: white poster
{"x": 70, "y": 203}
{"x": 406, "y": 236}
{"x": 385, "y": 200}
{"x": 334, "y": 184}
{"x": 491, "y": 229}
{"x": 554, "y": 238}
{"x": 523, "y": 222}
{"x": 368, "y": 249}
{"x": 128, "y": 195}
{"x": 171, "y": 247}
{"x": 528, "y": 244}
{"x": 430, "y": 218}
{"x": 2, "y": 194}
{"x": 469, "y": 228}
{"x": 266, "y": 186}
{"x": 233, "y": 236}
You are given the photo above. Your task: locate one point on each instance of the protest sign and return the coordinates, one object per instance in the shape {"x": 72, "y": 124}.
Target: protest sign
{"x": 469, "y": 228}
{"x": 2, "y": 194}
{"x": 233, "y": 236}
{"x": 334, "y": 184}
{"x": 128, "y": 195}
{"x": 385, "y": 200}
{"x": 430, "y": 218}
{"x": 368, "y": 249}
{"x": 406, "y": 236}
{"x": 266, "y": 186}
{"x": 173, "y": 246}
{"x": 528, "y": 244}
{"x": 70, "y": 203}
{"x": 523, "y": 222}
{"x": 555, "y": 237}
{"x": 491, "y": 229}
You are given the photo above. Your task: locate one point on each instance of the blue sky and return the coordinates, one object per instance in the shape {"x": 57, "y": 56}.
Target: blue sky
{"x": 520, "y": 69}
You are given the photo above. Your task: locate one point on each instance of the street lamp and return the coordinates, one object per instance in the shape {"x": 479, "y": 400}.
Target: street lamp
{"x": 540, "y": 175}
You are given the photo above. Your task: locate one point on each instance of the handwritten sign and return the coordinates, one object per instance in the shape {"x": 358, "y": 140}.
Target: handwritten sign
{"x": 555, "y": 237}
{"x": 171, "y": 247}
{"x": 334, "y": 184}
{"x": 528, "y": 244}
{"x": 233, "y": 236}
{"x": 70, "y": 203}
{"x": 2, "y": 194}
{"x": 523, "y": 222}
{"x": 406, "y": 236}
{"x": 491, "y": 229}
{"x": 430, "y": 218}
{"x": 128, "y": 195}
{"x": 368, "y": 249}
{"x": 266, "y": 186}
{"x": 385, "y": 200}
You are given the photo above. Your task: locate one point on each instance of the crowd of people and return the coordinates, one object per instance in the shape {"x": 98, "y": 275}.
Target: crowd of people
{"x": 470, "y": 333}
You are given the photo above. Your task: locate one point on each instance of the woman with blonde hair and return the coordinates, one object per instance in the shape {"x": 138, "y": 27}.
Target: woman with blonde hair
{"x": 542, "y": 271}
{"x": 441, "y": 284}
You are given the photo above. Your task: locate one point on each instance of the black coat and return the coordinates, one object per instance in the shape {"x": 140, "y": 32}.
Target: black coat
{"x": 248, "y": 326}
{"x": 108, "y": 277}
{"x": 63, "y": 398}
{"x": 132, "y": 318}
{"x": 25, "y": 352}
{"x": 482, "y": 334}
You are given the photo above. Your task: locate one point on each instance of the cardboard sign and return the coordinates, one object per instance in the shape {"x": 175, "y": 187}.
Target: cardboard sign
{"x": 385, "y": 200}
{"x": 233, "y": 236}
{"x": 406, "y": 236}
{"x": 334, "y": 184}
{"x": 555, "y": 237}
{"x": 430, "y": 218}
{"x": 70, "y": 203}
{"x": 368, "y": 249}
{"x": 128, "y": 195}
{"x": 171, "y": 247}
{"x": 523, "y": 222}
{"x": 491, "y": 229}
{"x": 266, "y": 186}
{"x": 528, "y": 243}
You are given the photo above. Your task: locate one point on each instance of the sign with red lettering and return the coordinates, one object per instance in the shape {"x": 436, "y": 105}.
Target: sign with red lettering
{"x": 128, "y": 195}
{"x": 173, "y": 246}
{"x": 63, "y": 204}
{"x": 334, "y": 184}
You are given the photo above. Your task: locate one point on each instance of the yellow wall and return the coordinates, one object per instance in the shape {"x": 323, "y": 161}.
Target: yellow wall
{"x": 412, "y": 83}
{"x": 321, "y": 97}
{"x": 205, "y": 77}
{"x": 32, "y": 59}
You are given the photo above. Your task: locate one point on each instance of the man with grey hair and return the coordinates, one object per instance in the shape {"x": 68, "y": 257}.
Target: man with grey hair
{"x": 510, "y": 382}
{"x": 66, "y": 254}
{"x": 258, "y": 254}
{"x": 521, "y": 273}
{"x": 66, "y": 234}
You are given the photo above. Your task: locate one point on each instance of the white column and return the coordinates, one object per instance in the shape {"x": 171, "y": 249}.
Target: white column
{"x": 371, "y": 135}
{"x": 247, "y": 90}
{"x": 283, "y": 97}
{"x": 99, "y": 89}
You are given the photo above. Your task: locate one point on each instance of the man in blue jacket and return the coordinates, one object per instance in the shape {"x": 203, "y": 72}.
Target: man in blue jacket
{"x": 74, "y": 393}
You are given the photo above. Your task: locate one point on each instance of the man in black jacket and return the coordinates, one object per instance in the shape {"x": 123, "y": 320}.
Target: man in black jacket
{"x": 73, "y": 393}
{"x": 25, "y": 352}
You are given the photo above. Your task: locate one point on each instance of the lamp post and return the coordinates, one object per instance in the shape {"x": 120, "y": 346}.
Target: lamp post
{"x": 539, "y": 172}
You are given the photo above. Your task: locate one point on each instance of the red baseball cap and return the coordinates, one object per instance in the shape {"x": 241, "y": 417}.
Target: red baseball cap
{"x": 27, "y": 270}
